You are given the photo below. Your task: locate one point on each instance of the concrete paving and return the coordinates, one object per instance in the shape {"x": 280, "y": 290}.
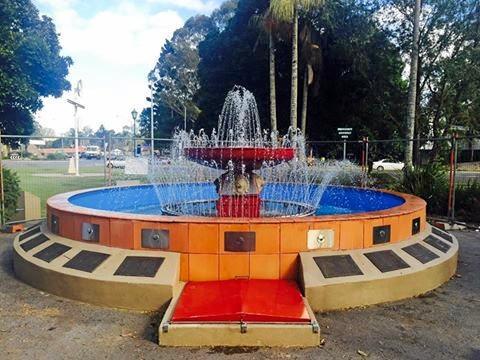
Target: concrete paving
{"x": 443, "y": 324}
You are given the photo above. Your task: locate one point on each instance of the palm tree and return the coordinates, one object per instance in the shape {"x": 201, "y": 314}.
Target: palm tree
{"x": 412, "y": 88}
{"x": 288, "y": 11}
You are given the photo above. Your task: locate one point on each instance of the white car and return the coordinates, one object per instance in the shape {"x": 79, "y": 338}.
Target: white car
{"x": 386, "y": 164}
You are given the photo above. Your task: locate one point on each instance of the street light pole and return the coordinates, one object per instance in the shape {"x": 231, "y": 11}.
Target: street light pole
{"x": 152, "y": 142}
{"x": 76, "y": 105}
{"x": 134, "y": 117}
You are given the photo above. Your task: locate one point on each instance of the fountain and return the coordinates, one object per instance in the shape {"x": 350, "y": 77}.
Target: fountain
{"x": 241, "y": 235}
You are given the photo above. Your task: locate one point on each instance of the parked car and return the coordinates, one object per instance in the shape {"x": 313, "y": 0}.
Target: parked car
{"x": 387, "y": 164}
{"x": 92, "y": 152}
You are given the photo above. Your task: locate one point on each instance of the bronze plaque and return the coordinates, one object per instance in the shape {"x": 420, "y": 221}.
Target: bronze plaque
{"x": 239, "y": 241}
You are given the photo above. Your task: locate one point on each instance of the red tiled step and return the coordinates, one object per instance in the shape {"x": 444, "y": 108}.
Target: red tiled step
{"x": 241, "y": 300}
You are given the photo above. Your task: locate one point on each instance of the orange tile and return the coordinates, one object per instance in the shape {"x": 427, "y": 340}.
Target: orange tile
{"x": 267, "y": 238}
{"x": 203, "y": 238}
{"x": 289, "y": 266}
{"x": 104, "y": 226}
{"x": 184, "y": 267}
{"x": 330, "y": 225}
{"x": 121, "y": 233}
{"x": 264, "y": 266}
{"x": 178, "y": 234}
{"x": 293, "y": 237}
{"x": 67, "y": 226}
{"x": 404, "y": 227}
{"x": 393, "y": 221}
{"x": 351, "y": 234}
{"x": 229, "y": 227}
{"x": 368, "y": 226}
{"x": 202, "y": 267}
{"x": 234, "y": 266}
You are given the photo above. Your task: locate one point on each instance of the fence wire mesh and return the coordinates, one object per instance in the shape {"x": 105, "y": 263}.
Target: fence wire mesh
{"x": 45, "y": 166}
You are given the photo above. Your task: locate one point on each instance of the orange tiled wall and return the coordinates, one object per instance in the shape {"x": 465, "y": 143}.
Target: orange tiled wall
{"x": 201, "y": 245}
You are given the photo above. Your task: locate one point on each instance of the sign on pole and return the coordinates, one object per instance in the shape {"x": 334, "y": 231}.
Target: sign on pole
{"x": 344, "y": 133}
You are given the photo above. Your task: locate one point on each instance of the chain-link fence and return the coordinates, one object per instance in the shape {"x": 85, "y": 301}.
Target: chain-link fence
{"x": 446, "y": 173}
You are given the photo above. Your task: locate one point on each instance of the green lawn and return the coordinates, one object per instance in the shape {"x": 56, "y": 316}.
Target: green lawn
{"x": 44, "y": 187}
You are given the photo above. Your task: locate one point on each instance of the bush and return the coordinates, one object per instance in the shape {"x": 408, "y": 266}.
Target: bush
{"x": 56, "y": 156}
{"x": 11, "y": 191}
{"x": 467, "y": 202}
{"x": 429, "y": 182}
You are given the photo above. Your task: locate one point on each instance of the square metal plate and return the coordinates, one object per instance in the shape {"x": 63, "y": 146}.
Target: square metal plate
{"x": 381, "y": 234}
{"x": 437, "y": 243}
{"x": 86, "y": 261}
{"x": 139, "y": 266}
{"x": 239, "y": 241}
{"x": 386, "y": 260}
{"x": 90, "y": 232}
{"x": 29, "y": 233}
{"x": 54, "y": 224}
{"x": 337, "y": 265}
{"x": 34, "y": 242}
{"x": 420, "y": 252}
{"x": 415, "y": 226}
{"x": 52, "y": 252}
{"x": 442, "y": 234}
{"x": 155, "y": 239}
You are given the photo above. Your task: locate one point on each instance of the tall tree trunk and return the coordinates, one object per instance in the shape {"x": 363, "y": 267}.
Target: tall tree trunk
{"x": 412, "y": 88}
{"x": 273, "y": 96}
{"x": 294, "y": 86}
{"x": 305, "y": 101}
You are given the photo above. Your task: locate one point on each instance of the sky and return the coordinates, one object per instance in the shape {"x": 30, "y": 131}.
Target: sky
{"x": 113, "y": 44}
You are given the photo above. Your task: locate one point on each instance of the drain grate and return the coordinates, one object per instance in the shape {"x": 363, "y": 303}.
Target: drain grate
{"x": 386, "y": 260}
{"x": 139, "y": 266}
{"x": 33, "y": 243}
{"x": 337, "y": 265}
{"x": 420, "y": 252}
{"x": 437, "y": 243}
{"x": 86, "y": 261}
{"x": 52, "y": 252}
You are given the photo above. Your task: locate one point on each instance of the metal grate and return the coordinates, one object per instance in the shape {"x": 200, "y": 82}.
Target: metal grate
{"x": 139, "y": 266}
{"x": 386, "y": 260}
{"x": 337, "y": 265}
{"x": 420, "y": 252}
{"x": 33, "y": 243}
{"x": 29, "y": 233}
{"x": 52, "y": 252}
{"x": 86, "y": 261}
{"x": 437, "y": 243}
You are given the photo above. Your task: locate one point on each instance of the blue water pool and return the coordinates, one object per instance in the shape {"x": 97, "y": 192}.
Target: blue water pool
{"x": 153, "y": 200}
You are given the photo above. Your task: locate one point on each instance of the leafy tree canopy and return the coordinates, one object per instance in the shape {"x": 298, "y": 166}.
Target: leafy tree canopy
{"x": 31, "y": 66}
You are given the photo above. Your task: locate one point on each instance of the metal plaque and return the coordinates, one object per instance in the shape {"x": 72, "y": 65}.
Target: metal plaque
{"x": 420, "y": 252}
{"x": 54, "y": 224}
{"x": 155, "y": 239}
{"x": 337, "y": 265}
{"x": 381, "y": 234}
{"x": 86, "y": 261}
{"x": 437, "y": 243}
{"x": 34, "y": 242}
{"x": 442, "y": 234}
{"x": 52, "y": 252}
{"x": 90, "y": 232}
{"x": 386, "y": 260}
{"x": 239, "y": 241}
{"x": 415, "y": 226}
{"x": 29, "y": 233}
{"x": 139, "y": 266}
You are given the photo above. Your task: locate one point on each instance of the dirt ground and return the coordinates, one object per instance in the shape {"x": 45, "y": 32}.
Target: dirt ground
{"x": 443, "y": 324}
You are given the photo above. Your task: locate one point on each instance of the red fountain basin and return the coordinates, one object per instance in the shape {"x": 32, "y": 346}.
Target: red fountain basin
{"x": 252, "y": 157}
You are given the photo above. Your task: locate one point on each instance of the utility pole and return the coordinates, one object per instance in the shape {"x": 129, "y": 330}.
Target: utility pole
{"x": 152, "y": 141}
{"x": 412, "y": 87}
{"x": 76, "y": 104}
{"x": 184, "y": 117}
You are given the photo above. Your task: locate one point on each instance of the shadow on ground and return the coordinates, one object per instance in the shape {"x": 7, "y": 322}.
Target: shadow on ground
{"x": 442, "y": 324}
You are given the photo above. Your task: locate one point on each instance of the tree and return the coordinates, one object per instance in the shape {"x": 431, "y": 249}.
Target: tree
{"x": 412, "y": 87}
{"x": 288, "y": 10}
{"x": 30, "y": 65}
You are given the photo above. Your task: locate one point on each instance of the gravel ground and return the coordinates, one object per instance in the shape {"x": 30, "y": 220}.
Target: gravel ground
{"x": 443, "y": 324}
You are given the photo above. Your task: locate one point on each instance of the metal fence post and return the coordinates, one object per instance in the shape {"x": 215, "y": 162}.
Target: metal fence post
{"x": 453, "y": 170}
{"x": 2, "y": 196}
{"x": 110, "y": 168}
{"x": 105, "y": 160}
